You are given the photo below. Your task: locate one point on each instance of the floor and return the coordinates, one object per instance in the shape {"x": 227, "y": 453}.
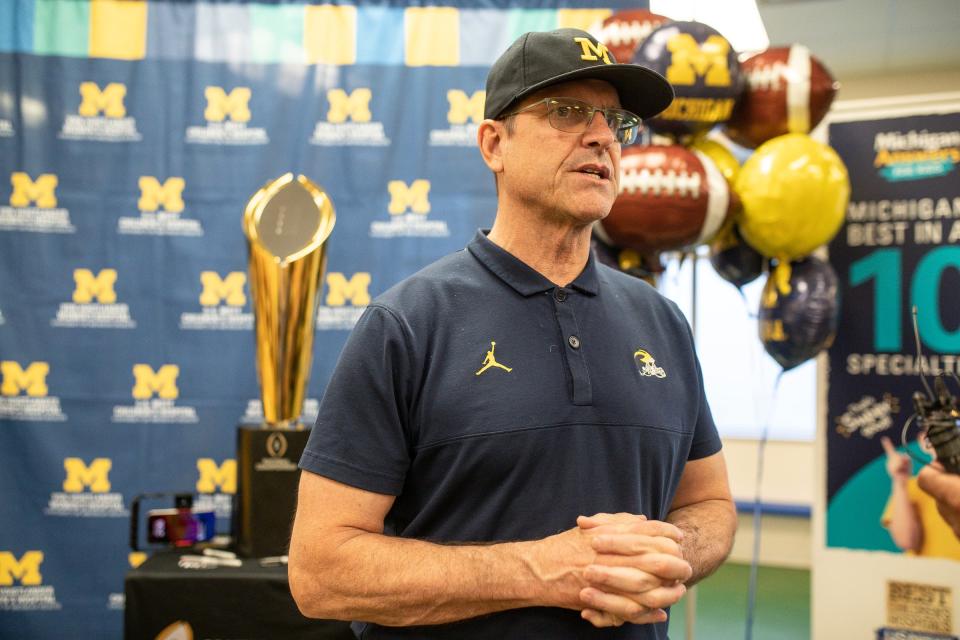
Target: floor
{"x": 782, "y": 609}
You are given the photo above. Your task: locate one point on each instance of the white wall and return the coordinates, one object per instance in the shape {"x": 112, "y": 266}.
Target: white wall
{"x": 787, "y": 471}
{"x": 787, "y": 480}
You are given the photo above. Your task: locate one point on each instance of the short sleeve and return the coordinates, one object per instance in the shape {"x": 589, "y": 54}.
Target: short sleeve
{"x": 706, "y": 439}
{"x": 361, "y": 436}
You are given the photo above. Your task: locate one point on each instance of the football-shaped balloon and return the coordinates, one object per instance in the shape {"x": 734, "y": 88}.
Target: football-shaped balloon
{"x": 704, "y": 70}
{"x": 721, "y": 156}
{"x": 623, "y": 31}
{"x": 669, "y": 198}
{"x": 787, "y": 91}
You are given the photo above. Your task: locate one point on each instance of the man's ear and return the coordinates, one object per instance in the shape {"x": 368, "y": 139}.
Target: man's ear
{"x": 490, "y": 136}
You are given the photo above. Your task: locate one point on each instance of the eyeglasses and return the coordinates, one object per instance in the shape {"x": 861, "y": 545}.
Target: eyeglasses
{"x": 574, "y": 116}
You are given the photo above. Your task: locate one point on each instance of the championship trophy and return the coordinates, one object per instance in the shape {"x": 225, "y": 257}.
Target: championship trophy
{"x": 287, "y": 224}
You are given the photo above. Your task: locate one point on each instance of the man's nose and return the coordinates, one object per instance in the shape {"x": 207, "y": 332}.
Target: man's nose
{"x": 598, "y": 133}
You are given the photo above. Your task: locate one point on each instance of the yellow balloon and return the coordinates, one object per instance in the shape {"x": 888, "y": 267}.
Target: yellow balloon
{"x": 795, "y": 192}
{"x": 721, "y": 156}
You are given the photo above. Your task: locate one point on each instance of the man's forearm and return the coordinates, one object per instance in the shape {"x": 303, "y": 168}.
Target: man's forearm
{"x": 402, "y": 582}
{"x": 708, "y": 529}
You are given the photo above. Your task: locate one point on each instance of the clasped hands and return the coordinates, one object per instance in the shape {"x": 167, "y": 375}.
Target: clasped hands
{"x": 638, "y": 569}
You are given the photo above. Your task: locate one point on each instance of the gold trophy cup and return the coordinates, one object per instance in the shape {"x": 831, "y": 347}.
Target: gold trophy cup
{"x": 287, "y": 224}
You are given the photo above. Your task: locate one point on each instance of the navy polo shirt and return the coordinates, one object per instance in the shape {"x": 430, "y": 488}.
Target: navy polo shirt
{"x": 497, "y": 406}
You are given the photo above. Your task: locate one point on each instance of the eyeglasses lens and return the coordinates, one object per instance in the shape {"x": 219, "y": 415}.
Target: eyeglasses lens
{"x": 575, "y": 116}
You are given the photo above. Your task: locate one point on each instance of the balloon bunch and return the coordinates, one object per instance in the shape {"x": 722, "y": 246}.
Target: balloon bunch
{"x": 686, "y": 187}
{"x": 646, "y": 266}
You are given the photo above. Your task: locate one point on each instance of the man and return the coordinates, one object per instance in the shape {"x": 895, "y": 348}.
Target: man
{"x": 482, "y": 405}
{"x": 945, "y": 489}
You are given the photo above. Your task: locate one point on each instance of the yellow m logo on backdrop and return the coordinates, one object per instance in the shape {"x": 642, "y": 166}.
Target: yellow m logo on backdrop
{"x": 110, "y": 100}
{"x": 26, "y": 570}
{"x": 33, "y": 380}
{"x": 356, "y": 106}
{"x": 593, "y": 52}
{"x": 163, "y": 382}
{"x": 153, "y": 195}
{"x": 91, "y": 286}
{"x": 220, "y": 104}
{"x": 215, "y": 288}
{"x": 356, "y": 289}
{"x": 213, "y": 476}
{"x": 413, "y": 197}
{"x": 79, "y": 475}
{"x": 463, "y": 107}
{"x": 40, "y": 190}
{"x": 691, "y": 60}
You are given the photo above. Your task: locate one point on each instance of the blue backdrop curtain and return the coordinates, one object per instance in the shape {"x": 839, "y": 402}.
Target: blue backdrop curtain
{"x": 132, "y": 134}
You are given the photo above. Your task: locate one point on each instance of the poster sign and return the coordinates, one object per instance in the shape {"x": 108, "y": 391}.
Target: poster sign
{"x": 899, "y": 248}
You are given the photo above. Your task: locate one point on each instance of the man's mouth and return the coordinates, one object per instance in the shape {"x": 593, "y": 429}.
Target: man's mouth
{"x": 600, "y": 171}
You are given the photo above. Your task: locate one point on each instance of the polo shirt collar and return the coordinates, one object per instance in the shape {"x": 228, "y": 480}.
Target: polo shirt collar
{"x": 516, "y": 273}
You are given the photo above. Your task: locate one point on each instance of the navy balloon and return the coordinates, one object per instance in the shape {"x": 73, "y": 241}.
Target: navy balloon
{"x": 737, "y": 262}
{"x": 644, "y": 266}
{"x": 702, "y": 67}
{"x": 796, "y": 325}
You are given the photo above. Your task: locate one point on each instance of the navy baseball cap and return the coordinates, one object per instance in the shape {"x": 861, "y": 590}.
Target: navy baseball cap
{"x": 541, "y": 58}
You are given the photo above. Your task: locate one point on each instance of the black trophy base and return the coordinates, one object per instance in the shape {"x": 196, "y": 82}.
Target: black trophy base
{"x": 267, "y": 480}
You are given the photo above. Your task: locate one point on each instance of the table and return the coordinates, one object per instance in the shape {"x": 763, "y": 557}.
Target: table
{"x": 228, "y": 603}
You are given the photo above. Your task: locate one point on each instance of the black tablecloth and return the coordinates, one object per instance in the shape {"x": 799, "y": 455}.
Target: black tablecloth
{"x": 227, "y": 603}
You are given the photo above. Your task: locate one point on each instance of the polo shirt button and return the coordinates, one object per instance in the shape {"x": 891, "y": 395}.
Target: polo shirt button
{"x": 560, "y": 295}
{"x": 574, "y": 342}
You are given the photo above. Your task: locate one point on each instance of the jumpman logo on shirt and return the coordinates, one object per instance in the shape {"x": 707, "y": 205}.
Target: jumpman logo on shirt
{"x": 491, "y": 361}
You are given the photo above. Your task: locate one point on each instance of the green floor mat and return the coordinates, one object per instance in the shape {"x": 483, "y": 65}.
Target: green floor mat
{"x": 782, "y": 609}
